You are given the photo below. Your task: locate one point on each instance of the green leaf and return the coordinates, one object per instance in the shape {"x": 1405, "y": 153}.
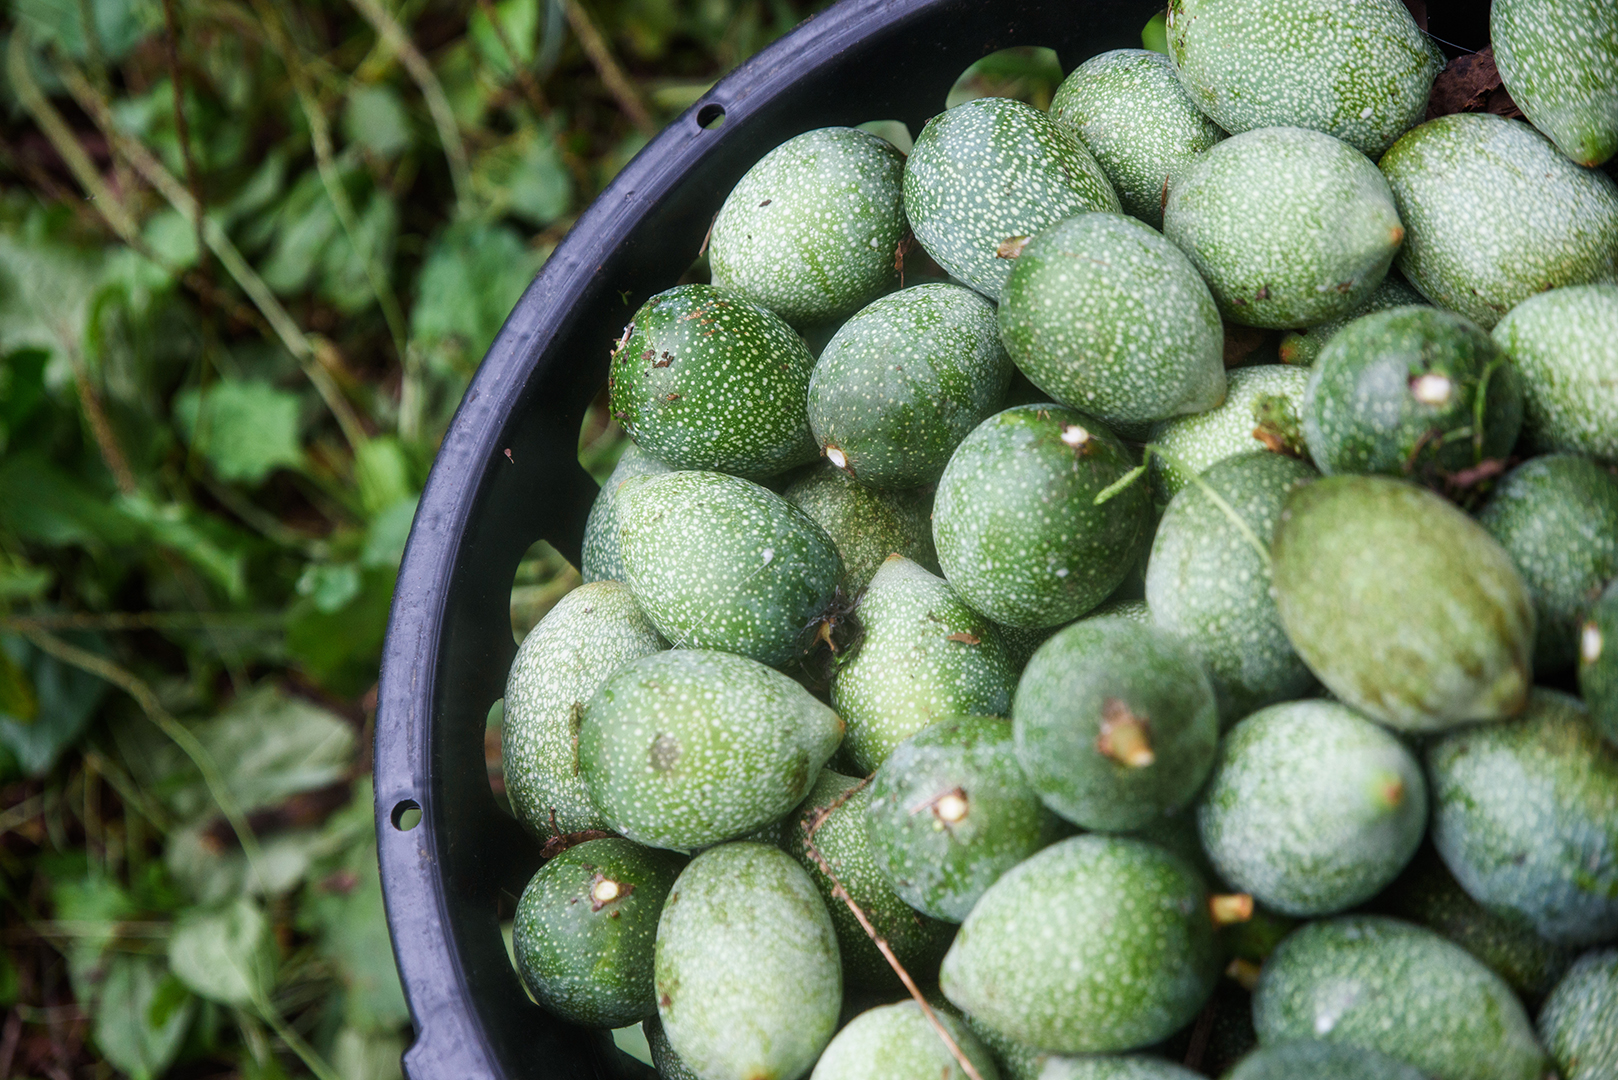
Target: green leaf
{"x": 119, "y": 24}
{"x": 375, "y": 118}
{"x": 42, "y": 503}
{"x": 359, "y": 1055}
{"x": 520, "y": 21}
{"x": 385, "y": 539}
{"x": 45, "y": 285}
{"x": 142, "y": 1016}
{"x": 343, "y": 279}
{"x": 339, "y": 650}
{"x": 330, "y": 585}
{"x": 1155, "y": 34}
{"x": 65, "y": 698}
{"x": 212, "y": 873}
{"x": 187, "y": 531}
{"x": 92, "y": 906}
{"x": 383, "y": 473}
{"x": 22, "y": 385}
{"x": 524, "y": 176}
{"x": 473, "y": 275}
{"x": 246, "y": 430}
{"x": 305, "y": 225}
{"x": 172, "y": 237}
{"x": 226, "y": 955}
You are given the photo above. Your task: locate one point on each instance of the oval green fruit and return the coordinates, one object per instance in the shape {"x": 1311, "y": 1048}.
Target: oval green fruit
{"x": 1263, "y": 409}
{"x": 1579, "y": 1023}
{"x": 1114, "y": 1067}
{"x": 600, "y": 558}
{"x": 1300, "y": 347}
{"x": 1565, "y": 344}
{"x": 1310, "y": 1060}
{"x": 1598, "y": 662}
{"x": 1559, "y": 60}
{"x": 866, "y": 525}
{"x": 897, "y": 1042}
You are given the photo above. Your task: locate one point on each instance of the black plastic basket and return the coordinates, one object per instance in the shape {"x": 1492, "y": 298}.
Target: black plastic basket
{"x": 508, "y": 475}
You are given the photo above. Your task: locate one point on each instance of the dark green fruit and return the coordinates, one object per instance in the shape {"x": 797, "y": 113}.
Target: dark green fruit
{"x": 836, "y": 811}
{"x": 747, "y": 975}
{"x": 1598, "y": 663}
{"x": 1312, "y": 808}
{"x": 812, "y": 231}
{"x": 897, "y": 1042}
{"x": 1579, "y": 1023}
{"x": 1115, "y": 724}
{"x": 1029, "y": 962}
{"x": 1401, "y": 604}
{"x": 903, "y": 382}
{"x": 590, "y": 633}
{"x": 718, "y": 562}
{"x": 866, "y": 525}
{"x": 1015, "y": 519}
{"x": 1310, "y": 1060}
{"x": 1384, "y": 985}
{"x": 1557, "y": 517}
{"x": 1300, "y": 347}
{"x": 1559, "y": 60}
{"x": 1411, "y": 391}
{"x": 601, "y": 559}
{"x": 584, "y": 931}
{"x": 704, "y": 379}
{"x": 994, "y": 170}
{"x": 950, "y": 812}
{"x": 1565, "y": 344}
{"x": 1209, "y": 582}
{"x": 691, "y": 747}
{"x": 1525, "y": 814}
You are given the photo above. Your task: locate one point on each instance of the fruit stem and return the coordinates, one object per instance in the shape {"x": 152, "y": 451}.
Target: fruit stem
{"x": 1125, "y": 737}
{"x": 1227, "y": 909}
{"x": 1244, "y": 972}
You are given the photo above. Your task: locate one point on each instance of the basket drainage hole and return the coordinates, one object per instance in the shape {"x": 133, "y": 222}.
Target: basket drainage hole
{"x": 711, "y": 115}
{"x": 407, "y": 815}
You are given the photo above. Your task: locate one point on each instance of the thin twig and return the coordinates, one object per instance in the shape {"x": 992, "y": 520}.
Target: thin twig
{"x": 606, "y": 65}
{"x": 100, "y": 427}
{"x": 525, "y": 77}
{"x": 810, "y": 827}
{"x": 449, "y": 132}
{"x": 306, "y": 1053}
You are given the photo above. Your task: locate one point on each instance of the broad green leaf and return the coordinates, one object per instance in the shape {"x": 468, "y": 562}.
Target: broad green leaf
{"x": 142, "y": 1016}
{"x": 246, "y": 430}
{"x": 474, "y": 274}
{"x": 65, "y": 699}
{"x": 45, "y": 286}
{"x": 359, "y": 1055}
{"x": 22, "y": 385}
{"x": 383, "y": 473}
{"x": 260, "y": 190}
{"x": 195, "y": 536}
{"x": 343, "y": 278}
{"x": 340, "y": 650}
{"x": 330, "y": 585}
{"x": 212, "y": 873}
{"x": 375, "y": 118}
{"x": 305, "y": 225}
{"x": 22, "y": 580}
{"x": 172, "y": 237}
{"x": 89, "y": 908}
{"x": 524, "y": 176}
{"x": 44, "y": 504}
{"x": 226, "y": 955}
{"x": 519, "y": 19}
{"x": 119, "y": 24}
{"x": 385, "y": 539}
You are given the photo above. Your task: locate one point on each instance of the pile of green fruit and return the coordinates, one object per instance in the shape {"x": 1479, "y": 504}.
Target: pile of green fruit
{"x": 1008, "y": 689}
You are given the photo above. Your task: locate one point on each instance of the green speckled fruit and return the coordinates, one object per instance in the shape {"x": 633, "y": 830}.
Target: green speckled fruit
{"x": 1494, "y": 214}
{"x": 1014, "y": 1060}
{"x": 1559, "y": 60}
{"x": 1253, "y": 395}
{"x": 704, "y": 379}
{"x": 1115, "y": 724}
{"x": 690, "y": 747}
{"x": 866, "y": 525}
{"x": 922, "y": 655}
{"x": 950, "y": 812}
{"x": 1525, "y": 815}
{"x": 1114, "y": 1067}
{"x": 1579, "y": 1024}
{"x": 840, "y": 837}
{"x": 1565, "y": 344}
{"x": 903, "y": 381}
{"x": 1029, "y": 963}
{"x": 1598, "y": 663}
{"x": 1300, "y": 347}
{"x": 990, "y": 170}
{"x": 1557, "y": 517}
{"x": 1312, "y": 808}
{"x": 664, "y": 1059}
{"x": 718, "y": 562}
{"x": 1015, "y": 522}
{"x": 747, "y": 975}
{"x": 590, "y": 633}
{"x": 897, "y": 1042}
{"x": 1289, "y": 227}
{"x": 1385, "y": 985}
{"x": 1105, "y": 315}
{"x": 1400, "y": 392}
{"x": 1310, "y": 1060}
{"x": 1208, "y": 580}
{"x": 1401, "y": 604}
{"x": 1130, "y": 111}
{"x": 584, "y": 930}
{"x": 601, "y": 559}
{"x": 1355, "y": 69}
{"x": 812, "y": 231}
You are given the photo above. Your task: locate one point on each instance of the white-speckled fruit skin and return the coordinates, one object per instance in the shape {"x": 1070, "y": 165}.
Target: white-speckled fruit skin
{"x": 1301, "y": 347}
{"x": 1195, "y": 443}
{"x": 896, "y": 1042}
{"x": 1598, "y": 662}
{"x": 1387, "y": 985}
{"x": 664, "y": 1059}
{"x": 1525, "y": 815}
{"x": 1128, "y": 108}
{"x": 923, "y": 655}
{"x": 1579, "y": 1021}
{"x": 690, "y": 747}
{"x": 1559, "y": 60}
{"x": 1028, "y": 962}
{"x": 1105, "y": 315}
{"x": 989, "y": 170}
{"x": 748, "y": 980}
{"x": 1493, "y": 214}
{"x": 1405, "y": 607}
{"x": 1557, "y": 517}
{"x": 1359, "y": 70}
{"x": 1288, "y": 226}
{"x": 718, "y": 562}
{"x": 1298, "y": 811}
{"x": 599, "y": 557}
{"x": 902, "y": 383}
{"x": 1015, "y": 522}
{"x": 1114, "y": 1067}
{"x": 1308, "y": 1059}
{"x": 812, "y": 231}
{"x": 866, "y": 525}
{"x": 590, "y": 633}
{"x": 1565, "y": 344}
{"x": 706, "y": 379}
{"x": 1208, "y": 583}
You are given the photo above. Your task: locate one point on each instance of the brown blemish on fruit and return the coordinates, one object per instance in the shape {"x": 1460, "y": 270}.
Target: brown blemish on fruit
{"x": 1011, "y": 247}
{"x": 664, "y": 753}
{"x": 964, "y": 638}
